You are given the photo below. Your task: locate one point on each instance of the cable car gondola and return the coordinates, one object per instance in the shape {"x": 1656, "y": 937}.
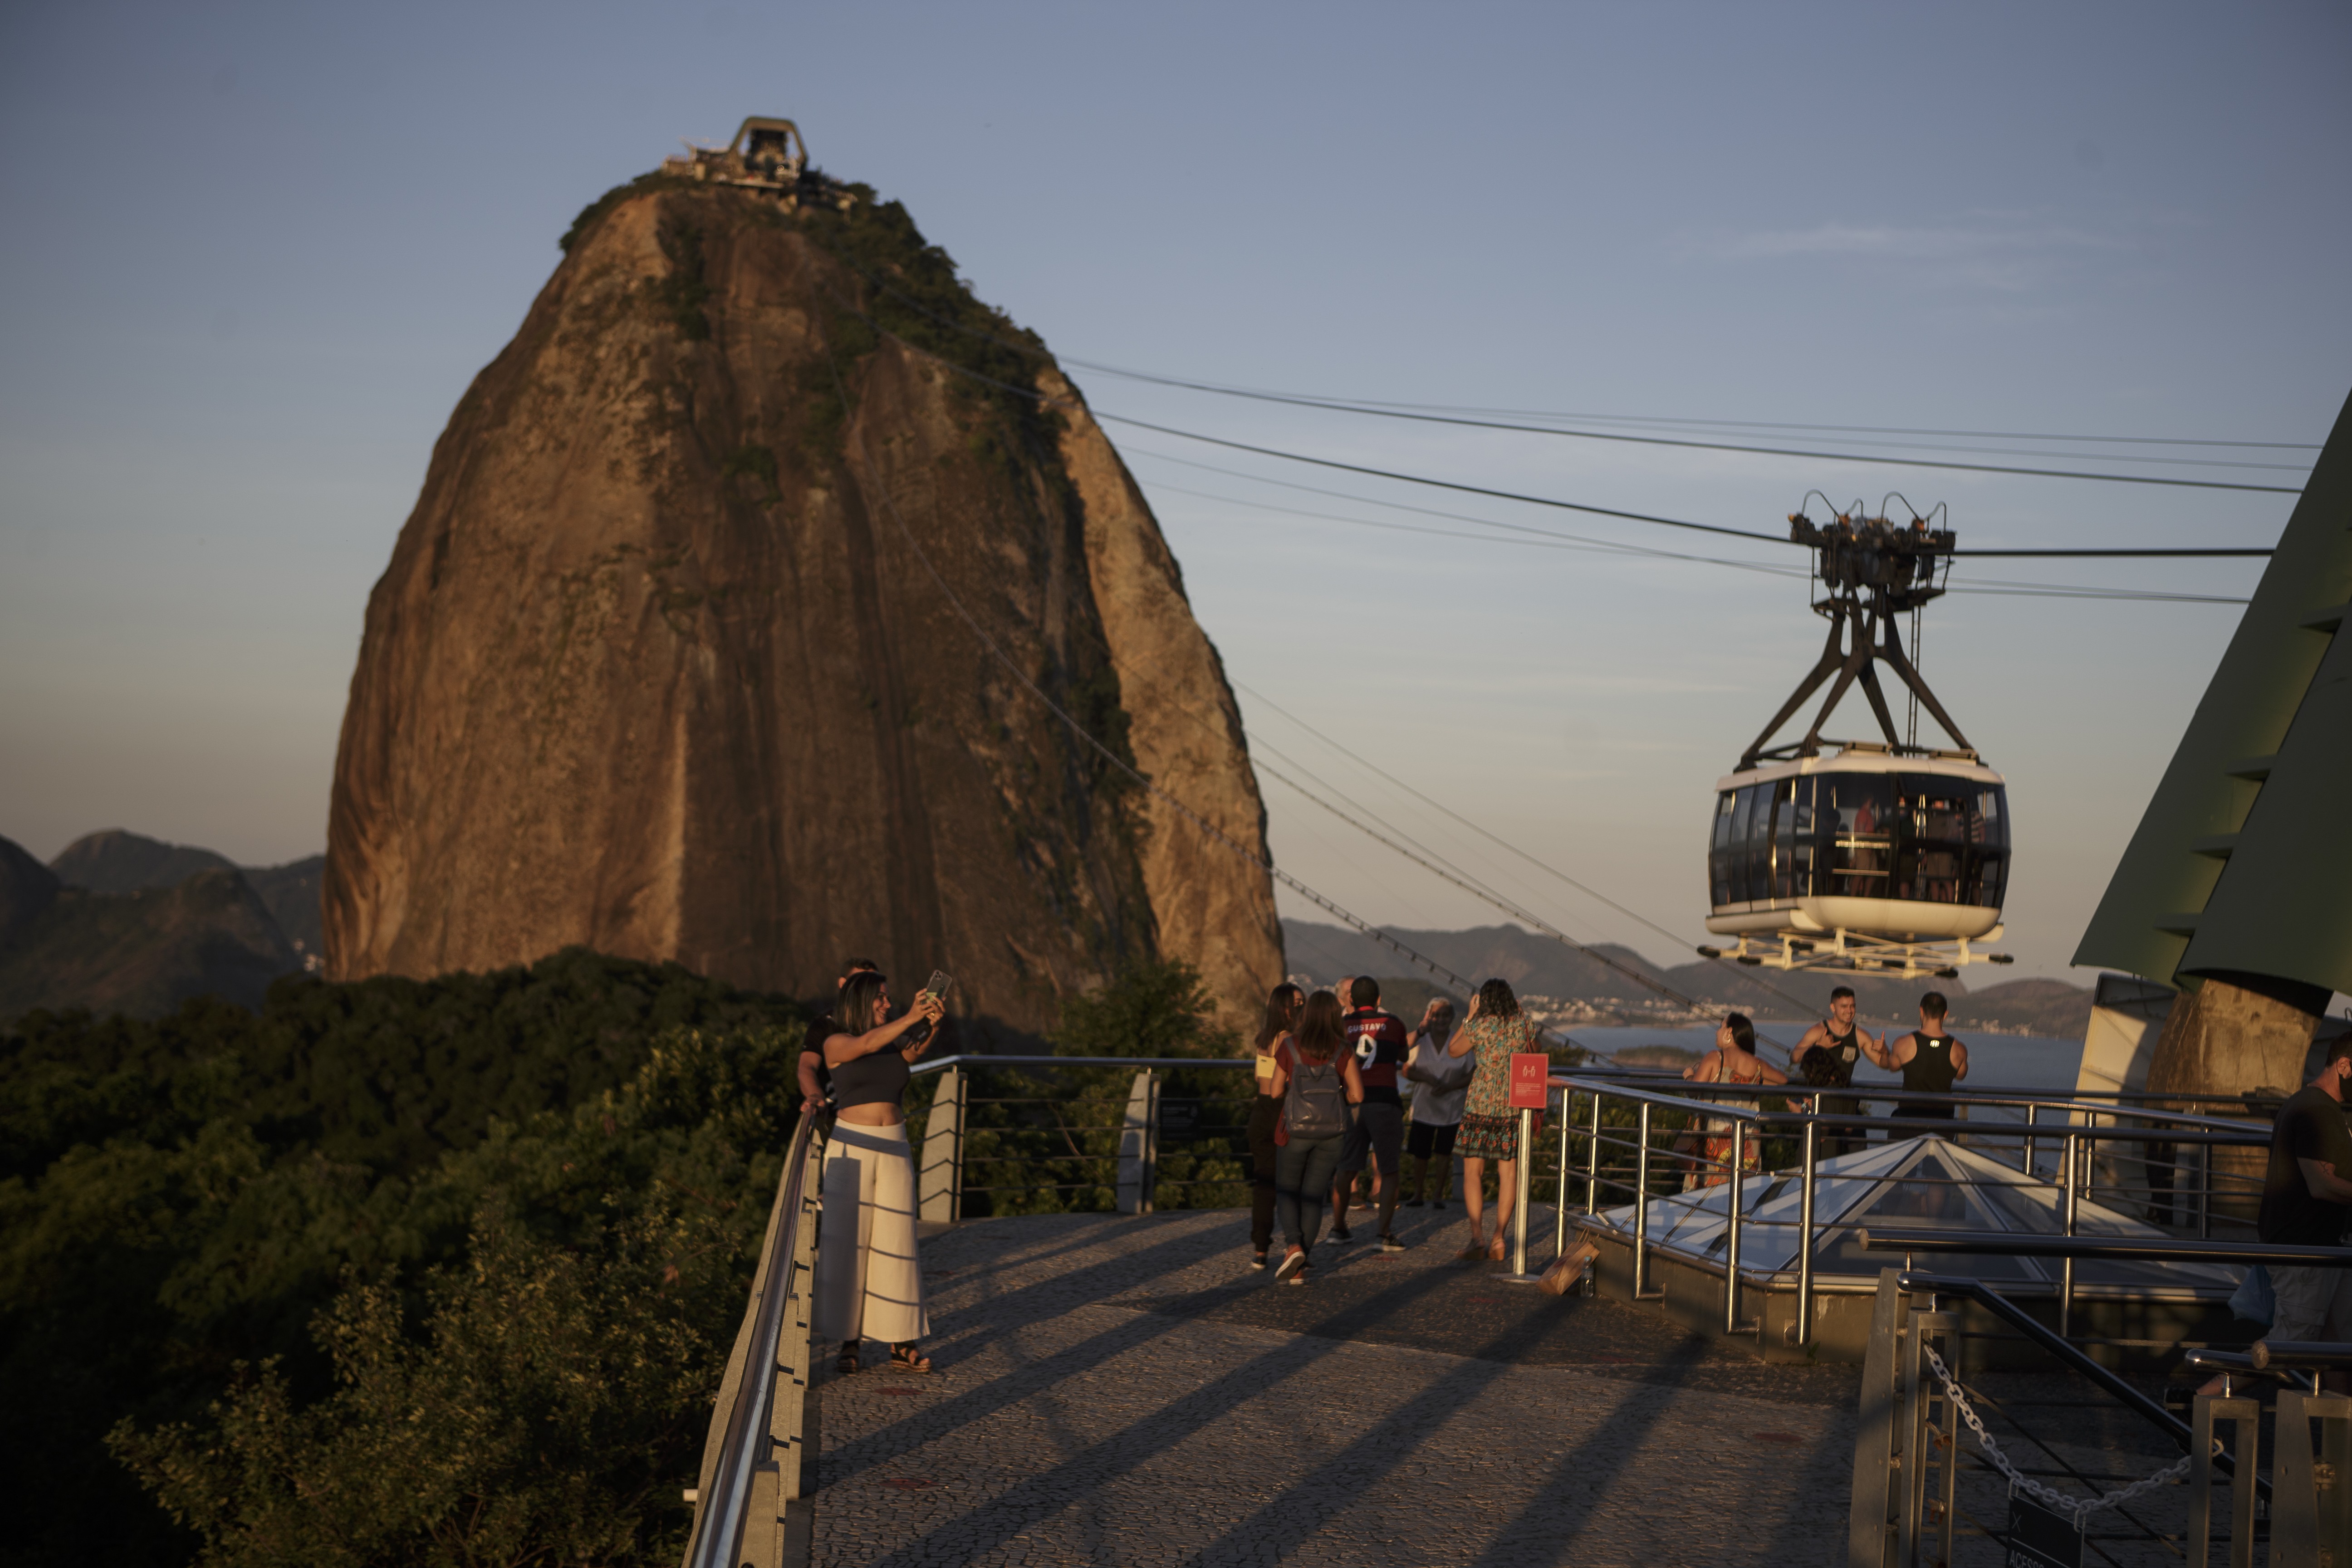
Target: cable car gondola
{"x": 1885, "y": 857}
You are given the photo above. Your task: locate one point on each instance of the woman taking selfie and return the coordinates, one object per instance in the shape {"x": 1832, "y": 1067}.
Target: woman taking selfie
{"x": 1316, "y": 1082}
{"x": 1283, "y": 1006}
{"x": 868, "y": 1280}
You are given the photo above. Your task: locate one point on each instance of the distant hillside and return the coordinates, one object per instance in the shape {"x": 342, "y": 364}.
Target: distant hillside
{"x": 1538, "y": 963}
{"x": 121, "y": 922}
{"x": 142, "y": 953}
{"x": 2047, "y": 1007}
{"x": 291, "y": 891}
{"x": 1534, "y": 963}
{"x": 116, "y": 861}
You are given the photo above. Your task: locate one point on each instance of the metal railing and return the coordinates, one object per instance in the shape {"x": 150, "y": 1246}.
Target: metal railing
{"x": 1609, "y": 1125}
{"x": 1910, "y": 1453}
{"x": 1105, "y": 1147}
{"x": 750, "y": 1505}
{"x": 1650, "y": 1103}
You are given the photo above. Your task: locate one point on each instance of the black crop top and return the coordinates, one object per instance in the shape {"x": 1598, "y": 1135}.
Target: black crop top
{"x": 878, "y": 1077}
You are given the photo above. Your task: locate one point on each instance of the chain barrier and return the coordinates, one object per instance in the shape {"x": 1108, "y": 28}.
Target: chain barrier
{"x": 2079, "y": 1508}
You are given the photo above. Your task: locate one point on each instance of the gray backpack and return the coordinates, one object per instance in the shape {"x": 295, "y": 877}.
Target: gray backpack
{"x": 1315, "y": 1105}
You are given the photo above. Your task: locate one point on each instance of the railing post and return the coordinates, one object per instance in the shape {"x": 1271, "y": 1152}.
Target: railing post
{"x": 1641, "y": 1206}
{"x": 1805, "y": 1240}
{"x": 2205, "y": 1192}
{"x": 1559, "y": 1202}
{"x": 1523, "y": 1200}
{"x": 2246, "y": 1416}
{"x": 1592, "y": 1161}
{"x": 940, "y": 1189}
{"x": 2066, "y": 1274}
{"x": 1923, "y": 1394}
{"x": 2027, "y": 1164}
{"x": 2311, "y": 1494}
{"x": 1139, "y": 1140}
{"x": 1874, "y": 1516}
{"x": 1731, "y": 1228}
{"x": 793, "y": 1418}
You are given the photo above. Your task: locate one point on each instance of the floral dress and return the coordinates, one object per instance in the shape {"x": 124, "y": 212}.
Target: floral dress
{"x": 1490, "y": 1128}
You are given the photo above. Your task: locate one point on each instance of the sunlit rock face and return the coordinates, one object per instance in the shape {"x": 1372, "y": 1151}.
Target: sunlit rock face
{"x": 659, "y": 667}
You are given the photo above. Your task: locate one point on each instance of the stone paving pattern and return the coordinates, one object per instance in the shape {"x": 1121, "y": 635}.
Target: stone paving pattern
{"x": 1126, "y": 1391}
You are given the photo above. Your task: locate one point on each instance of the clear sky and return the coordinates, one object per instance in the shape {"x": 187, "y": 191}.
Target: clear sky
{"x": 254, "y": 253}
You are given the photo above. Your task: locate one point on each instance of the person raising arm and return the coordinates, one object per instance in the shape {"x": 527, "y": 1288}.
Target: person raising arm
{"x": 868, "y": 1275}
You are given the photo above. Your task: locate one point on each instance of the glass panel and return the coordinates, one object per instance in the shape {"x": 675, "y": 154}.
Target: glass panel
{"x": 1988, "y": 880}
{"x": 1937, "y": 819}
{"x": 1759, "y": 841}
{"x": 1718, "y": 857}
{"x": 1736, "y": 854}
{"x": 1857, "y": 812}
{"x": 1792, "y": 849}
{"x": 1992, "y": 817}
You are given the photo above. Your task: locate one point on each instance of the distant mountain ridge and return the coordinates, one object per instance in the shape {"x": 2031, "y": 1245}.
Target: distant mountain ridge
{"x": 1534, "y": 963}
{"x": 119, "y": 923}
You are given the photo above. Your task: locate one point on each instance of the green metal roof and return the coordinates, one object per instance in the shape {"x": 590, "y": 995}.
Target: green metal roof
{"x": 2243, "y": 864}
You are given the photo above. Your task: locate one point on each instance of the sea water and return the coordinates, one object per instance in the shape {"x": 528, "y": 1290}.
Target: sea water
{"x": 2031, "y": 1064}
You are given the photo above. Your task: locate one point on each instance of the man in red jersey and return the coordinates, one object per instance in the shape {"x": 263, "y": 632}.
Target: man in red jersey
{"x": 1381, "y": 1043}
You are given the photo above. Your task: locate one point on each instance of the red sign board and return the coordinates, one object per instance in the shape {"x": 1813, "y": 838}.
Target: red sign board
{"x": 1529, "y": 1071}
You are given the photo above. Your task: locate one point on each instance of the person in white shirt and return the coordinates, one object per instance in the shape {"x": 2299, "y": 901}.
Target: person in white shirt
{"x": 1441, "y": 1083}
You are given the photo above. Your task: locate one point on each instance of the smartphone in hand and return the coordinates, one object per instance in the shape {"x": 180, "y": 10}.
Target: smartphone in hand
{"x": 939, "y": 986}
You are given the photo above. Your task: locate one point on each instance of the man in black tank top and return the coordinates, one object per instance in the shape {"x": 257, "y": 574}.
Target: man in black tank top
{"x": 1825, "y": 1059}
{"x": 1930, "y": 1060}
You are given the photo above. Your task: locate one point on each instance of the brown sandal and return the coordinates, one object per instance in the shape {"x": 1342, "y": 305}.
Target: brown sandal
{"x": 852, "y": 1360}
{"x": 904, "y": 1358}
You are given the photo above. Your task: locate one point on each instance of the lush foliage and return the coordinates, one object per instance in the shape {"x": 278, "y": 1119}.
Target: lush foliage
{"x": 432, "y": 1165}
{"x": 1046, "y": 1141}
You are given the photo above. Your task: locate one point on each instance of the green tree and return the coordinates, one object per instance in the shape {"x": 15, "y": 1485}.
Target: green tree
{"x": 1050, "y": 1139}
{"x": 553, "y": 1402}
{"x": 183, "y": 1195}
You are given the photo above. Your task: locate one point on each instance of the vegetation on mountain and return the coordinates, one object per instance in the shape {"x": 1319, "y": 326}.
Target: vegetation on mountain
{"x": 391, "y": 1271}
{"x": 440, "y": 1272}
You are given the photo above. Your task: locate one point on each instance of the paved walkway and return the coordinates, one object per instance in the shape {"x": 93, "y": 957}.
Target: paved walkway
{"x": 1130, "y": 1392}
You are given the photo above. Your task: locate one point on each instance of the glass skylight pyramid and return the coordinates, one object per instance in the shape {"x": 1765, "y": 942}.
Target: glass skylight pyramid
{"x": 1915, "y": 1183}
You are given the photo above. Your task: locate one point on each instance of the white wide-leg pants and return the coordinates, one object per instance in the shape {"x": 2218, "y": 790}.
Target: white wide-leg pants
{"x": 869, "y": 1282}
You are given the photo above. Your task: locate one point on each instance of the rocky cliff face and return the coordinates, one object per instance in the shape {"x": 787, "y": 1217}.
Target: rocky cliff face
{"x": 658, "y": 666}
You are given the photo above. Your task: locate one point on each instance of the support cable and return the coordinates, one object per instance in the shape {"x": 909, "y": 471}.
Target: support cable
{"x": 1545, "y": 538}
{"x": 1684, "y": 442}
{"x": 2010, "y": 590}
{"x": 1441, "y": 414}
{"x": 1803, "y": 1006}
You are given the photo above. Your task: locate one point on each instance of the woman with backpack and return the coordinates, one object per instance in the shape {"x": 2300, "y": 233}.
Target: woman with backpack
{"x": 1315, "y": 1080}
{"x": 1283, "y": 1006}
